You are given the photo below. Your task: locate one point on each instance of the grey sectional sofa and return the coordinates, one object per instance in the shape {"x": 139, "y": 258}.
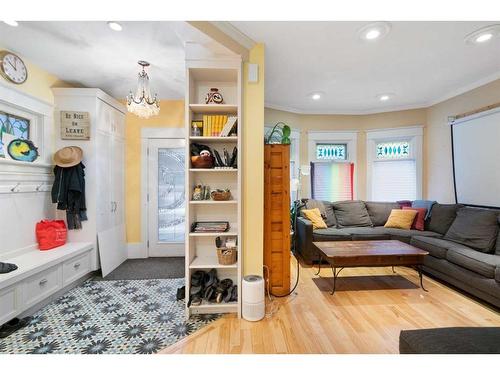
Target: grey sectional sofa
{"x": 463, "y": 242}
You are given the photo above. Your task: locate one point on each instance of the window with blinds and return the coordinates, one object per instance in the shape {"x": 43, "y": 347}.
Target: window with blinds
{"x": 332, "y": 181}
{"x": 394, "y": 180}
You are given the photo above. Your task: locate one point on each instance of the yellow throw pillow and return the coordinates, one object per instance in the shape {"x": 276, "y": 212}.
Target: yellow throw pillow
{"x": 314, "y": 215}
{"x": 401, "y": 219}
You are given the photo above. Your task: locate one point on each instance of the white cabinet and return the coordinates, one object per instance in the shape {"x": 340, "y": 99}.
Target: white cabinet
{"x": 104, "y": 159}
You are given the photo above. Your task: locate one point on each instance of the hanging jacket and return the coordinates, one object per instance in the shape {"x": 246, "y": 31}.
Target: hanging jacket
{"x": 68, "y": 191}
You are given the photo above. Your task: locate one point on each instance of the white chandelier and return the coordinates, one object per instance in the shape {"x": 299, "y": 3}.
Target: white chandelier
{"x": 142, "y": 104}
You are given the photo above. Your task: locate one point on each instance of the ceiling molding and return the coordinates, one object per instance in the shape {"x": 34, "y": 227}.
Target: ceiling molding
{"x": 466, "y": 88}
{"x": 347, "y": 113}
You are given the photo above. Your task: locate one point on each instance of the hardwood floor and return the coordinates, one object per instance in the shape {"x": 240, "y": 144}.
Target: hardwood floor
{"x": 366, "y": 314}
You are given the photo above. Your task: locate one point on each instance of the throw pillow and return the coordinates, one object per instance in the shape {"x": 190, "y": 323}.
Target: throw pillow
{"x": 404, "y": 203}
{"x": 314, "y": 216}
{"x": 475, "y": 228}
{"x": 442, "y": 216}
{"x": 351, "y": 214}
{"x": 401, "y": 219}
{"x": 419, "y": 221}
{"x": 326, "y": 210}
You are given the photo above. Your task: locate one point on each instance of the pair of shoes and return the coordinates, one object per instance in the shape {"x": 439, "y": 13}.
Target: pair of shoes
{"x": 13, "y": 325}
{"x": 223, "y": 290}
{"x": 232, "y": 294}
{"x": 195, "y": 291}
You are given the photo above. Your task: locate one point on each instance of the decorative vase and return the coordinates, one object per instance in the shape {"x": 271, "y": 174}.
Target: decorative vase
{"x": 214, "y": 97}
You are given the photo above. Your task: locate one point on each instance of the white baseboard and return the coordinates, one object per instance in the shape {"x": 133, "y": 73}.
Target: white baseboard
{"x": 136, "y": 250}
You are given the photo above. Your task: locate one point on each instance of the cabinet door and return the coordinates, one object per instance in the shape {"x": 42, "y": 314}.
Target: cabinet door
{"x": 104, "y": 117}
{"x": 118, "y": 181}
{"x": 119, "y": 124}
{"x": 105, "y": 206}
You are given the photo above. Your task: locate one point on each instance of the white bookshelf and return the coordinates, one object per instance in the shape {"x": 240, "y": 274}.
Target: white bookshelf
{"x": 201, "y": 252}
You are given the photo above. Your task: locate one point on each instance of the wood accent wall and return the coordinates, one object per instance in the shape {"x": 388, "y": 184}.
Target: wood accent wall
{"x": 277, "y": 216}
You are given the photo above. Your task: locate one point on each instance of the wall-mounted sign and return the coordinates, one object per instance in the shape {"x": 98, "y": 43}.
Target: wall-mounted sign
{"x": 75, "y": 125}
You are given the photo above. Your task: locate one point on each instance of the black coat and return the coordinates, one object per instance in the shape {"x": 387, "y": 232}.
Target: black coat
{"x": 68, "y": 191}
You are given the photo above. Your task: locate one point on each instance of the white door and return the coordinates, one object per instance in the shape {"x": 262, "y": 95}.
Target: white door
{"x": 166, "y": 197}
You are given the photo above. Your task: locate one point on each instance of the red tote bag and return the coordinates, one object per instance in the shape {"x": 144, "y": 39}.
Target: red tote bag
{"x": 51, "y": 234}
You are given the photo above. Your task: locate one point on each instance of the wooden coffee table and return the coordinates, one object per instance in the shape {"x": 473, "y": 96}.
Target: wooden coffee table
{"x": 390, "y": 253}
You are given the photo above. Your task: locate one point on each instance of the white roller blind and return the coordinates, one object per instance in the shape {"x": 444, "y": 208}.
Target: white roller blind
{"x": 332, "y": 181}
{"x": 394, "y": 180}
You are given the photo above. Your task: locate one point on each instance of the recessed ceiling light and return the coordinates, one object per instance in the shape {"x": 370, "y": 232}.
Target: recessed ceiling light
{"x": 483, "y": 35}
{"x": 115, "y": 26}
{"x": 385, "y": 97}
{"x": 374, "y": 31}
{"x": 316, "y": 96}
{"x": 12, "y": 23}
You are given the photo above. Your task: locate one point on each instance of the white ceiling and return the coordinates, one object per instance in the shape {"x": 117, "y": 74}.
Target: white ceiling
{"x": 421, "y": 62}
{"x": 92, "y": 55}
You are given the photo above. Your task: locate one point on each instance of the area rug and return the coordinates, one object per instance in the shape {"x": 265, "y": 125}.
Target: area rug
{"x": 111, "y": 317}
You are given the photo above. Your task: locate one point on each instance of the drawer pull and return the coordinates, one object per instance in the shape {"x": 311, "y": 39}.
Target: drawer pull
{"x": 42, "y": 282}
{"x": 76, "y": 265}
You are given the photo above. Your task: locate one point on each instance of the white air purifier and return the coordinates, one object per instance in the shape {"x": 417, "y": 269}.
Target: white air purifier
{"x": 253, "y": 297}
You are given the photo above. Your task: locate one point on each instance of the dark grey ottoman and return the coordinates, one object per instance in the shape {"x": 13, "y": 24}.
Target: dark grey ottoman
{"x": 455, "y": 340}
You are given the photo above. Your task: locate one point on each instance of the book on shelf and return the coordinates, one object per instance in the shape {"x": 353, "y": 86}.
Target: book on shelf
{"x": 218, "y": 125}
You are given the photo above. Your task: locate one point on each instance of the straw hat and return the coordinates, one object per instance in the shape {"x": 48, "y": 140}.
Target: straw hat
{"x": 68, "y": 156}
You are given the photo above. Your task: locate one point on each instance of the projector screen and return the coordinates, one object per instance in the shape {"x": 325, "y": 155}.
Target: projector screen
{"x": 476, "y": 159}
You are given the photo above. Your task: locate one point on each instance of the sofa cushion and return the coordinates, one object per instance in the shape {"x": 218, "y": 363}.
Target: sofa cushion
{"x": 402, "y": 219}
{"x": 497, "y": 274}
{"x": 436, "y": 247}
{"x": 497, "y": 247}
{"x": 405, "y": 235}
{"x": 331, "y": 234}
{"x": 379, "y": 211}
{"x": 475, "y": 228}
{"x": 326, "y": 210}
{"x": 367, "y": 233}
{"x": 442, "y": 216}
{"x": 483, "y": 264}
{"x": 351, "y": 214}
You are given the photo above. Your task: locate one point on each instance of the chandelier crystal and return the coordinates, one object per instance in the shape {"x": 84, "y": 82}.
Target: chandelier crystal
{"x": 142, "y": 104}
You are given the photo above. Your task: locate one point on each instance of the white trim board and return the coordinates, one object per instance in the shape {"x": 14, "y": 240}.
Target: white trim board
{"x": 414, "y": 134}
{"x": 146, "y": 134}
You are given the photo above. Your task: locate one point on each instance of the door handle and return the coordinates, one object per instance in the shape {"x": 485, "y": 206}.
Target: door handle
{"x": 42, "y": 282}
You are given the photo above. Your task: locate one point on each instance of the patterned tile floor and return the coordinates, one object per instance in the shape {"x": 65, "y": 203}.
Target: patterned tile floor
{"x": 113, "y": 317}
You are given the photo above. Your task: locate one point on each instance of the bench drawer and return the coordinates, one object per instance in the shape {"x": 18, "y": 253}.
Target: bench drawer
{"x": 8, "y": 304}
{"x": 42, "y": 285}
{"x": 75, "y": 268}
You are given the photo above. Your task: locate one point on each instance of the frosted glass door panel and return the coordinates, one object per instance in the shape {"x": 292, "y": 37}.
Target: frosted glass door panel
{"x": 171, "y": 195}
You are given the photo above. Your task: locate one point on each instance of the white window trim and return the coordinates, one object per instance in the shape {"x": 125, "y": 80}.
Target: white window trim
{"x": 412, "y": 134}
{"x": 41, "y": 116}
{"x": 348, "y": 137}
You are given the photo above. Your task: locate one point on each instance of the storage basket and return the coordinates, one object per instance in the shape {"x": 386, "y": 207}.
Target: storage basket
{"x": 221, "y": 195}
{"x": 227, "y": 256}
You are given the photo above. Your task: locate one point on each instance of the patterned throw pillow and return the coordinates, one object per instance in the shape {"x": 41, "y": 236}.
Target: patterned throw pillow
{"x": 314, "y": 216}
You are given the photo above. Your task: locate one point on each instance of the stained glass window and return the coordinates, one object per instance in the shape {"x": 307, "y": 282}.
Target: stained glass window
{"x": 13, "y": 125}
{"x": 393, "y": 150}
{"x": 331, "y": 151}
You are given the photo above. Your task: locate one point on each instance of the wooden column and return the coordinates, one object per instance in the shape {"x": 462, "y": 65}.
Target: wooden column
{"x": 277, "y": 216}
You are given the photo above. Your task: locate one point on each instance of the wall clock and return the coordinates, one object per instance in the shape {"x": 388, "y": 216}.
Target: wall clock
{"x": 12, "y": 68}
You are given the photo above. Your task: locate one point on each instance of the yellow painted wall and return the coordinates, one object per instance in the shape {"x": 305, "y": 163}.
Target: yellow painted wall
{"x": 39, "y": 82}
{"x": 305, "y": 123}
{"x": 171, "y": 116}
{"x": 253, "y": 165}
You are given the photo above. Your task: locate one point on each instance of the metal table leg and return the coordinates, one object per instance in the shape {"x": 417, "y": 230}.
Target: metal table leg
{"x": 320, "y": 259}
{"x": 335, "y": 275}
{"x": 419, "y": 269}
{"x": 393, "y": 270}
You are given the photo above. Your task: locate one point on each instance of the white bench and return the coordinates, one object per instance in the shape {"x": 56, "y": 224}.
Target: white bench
{"x": 40, "y": 275}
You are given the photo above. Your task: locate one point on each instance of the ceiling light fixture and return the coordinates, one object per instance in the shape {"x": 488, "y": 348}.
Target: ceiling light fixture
{"x": 115, "y": 26}
{"x": 11, "y": 23}
{"x": 483, "y": 35}
{"x": 142, "y": 104}
{"x": 316, "y": 96}
{"x": 385, "y": 97}
{"x": 374, "y": 31}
